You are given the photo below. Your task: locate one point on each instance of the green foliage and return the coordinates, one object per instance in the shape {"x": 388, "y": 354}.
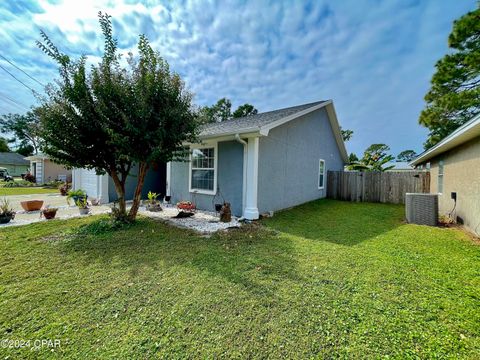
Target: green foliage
{"x": 352, "y": 158}
{"x": 76, "y": 195}
{"x": 222, "y": 111}
{"x": 4, "y": 145}
{"x": 25, "y": 149}
{"x": 6, "y": 209}
{"x": 244, "y": 110}
{"x": 374, "y": 158}
{"x": 406, "y": 155}
{"x": 25, "y": 129}
{"x": 112, "y": 117}
{"x": 326, "y": 280}
{"x": 100, "y": 226}
{"x": 152, "y": 197}
{"x": 454, "y": 97}
{"x": 346, "y": 134}
{"x": 18, "y": 183}
{"x": 82, "y": 202}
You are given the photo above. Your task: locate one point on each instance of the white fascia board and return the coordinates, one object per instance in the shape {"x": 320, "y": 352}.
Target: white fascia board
{"x": 332, "y": 116}
{"x": 466, "y": 132}
{"x": 245, "y": 134}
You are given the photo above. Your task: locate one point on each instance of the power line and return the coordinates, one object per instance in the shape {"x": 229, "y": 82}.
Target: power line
{"x": 13, "y": 100}
{"x": 11, "y": 63}
{"x": 20, "y": 81}
{"x": 13, "y": 103}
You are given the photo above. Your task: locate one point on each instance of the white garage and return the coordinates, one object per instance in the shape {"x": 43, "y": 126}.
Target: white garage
{"x": 102, "y": 186}
{"x": 96, "y": 186}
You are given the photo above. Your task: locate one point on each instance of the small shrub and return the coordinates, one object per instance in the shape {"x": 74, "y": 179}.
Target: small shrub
{"x": 6, "y": 209}
{"x": 19, "y": 184}
{"x": 101, "y": 227}
{"x": 54, "y": 184}
{"x": 30, "y": 178}
{"x": 64, "y": 188}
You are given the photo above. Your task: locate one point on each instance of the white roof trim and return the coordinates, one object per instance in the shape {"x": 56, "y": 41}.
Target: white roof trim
{"x": 37, "y": 157}
{"x": 264, "y": 130}
{"x": 464, "y": 133}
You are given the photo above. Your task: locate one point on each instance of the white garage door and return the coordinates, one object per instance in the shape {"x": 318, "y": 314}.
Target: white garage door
{"x": 89, "y": 182}
{"x": 94, "y": 185}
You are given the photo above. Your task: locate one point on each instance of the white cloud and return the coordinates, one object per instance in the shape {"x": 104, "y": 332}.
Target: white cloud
{"x": 373, "y": 58}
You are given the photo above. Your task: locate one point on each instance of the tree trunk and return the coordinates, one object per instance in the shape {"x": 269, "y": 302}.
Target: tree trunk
{"x": 142, "y": 171}
{"x": 120, "y": 189}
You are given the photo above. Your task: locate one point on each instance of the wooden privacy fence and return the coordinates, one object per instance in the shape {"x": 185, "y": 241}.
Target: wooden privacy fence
{"x": 372, "y": 186}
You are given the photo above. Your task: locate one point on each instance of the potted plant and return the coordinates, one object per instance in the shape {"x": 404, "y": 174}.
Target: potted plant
{"x": 187, "y": 206}
{"x": 153, "y": 204}
{"x": 48, "y": 212}
{"x": 6, "y": 212}
{"x": 63, "y": 188}
{"x": 76, "y": 195}
{"x": 83, "y": 206}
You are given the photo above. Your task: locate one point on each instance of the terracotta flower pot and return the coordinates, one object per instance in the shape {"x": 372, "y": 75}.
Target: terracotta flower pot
{"x": 49, "y": 213}
{"x": 32, "y": 205}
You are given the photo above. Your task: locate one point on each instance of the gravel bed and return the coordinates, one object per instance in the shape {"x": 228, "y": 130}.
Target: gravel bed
{"x": 205, "y": 222}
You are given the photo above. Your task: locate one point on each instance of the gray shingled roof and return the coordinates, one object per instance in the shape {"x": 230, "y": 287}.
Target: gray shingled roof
{"x": 252, "y": 122}
{"x": 11, "y": 158}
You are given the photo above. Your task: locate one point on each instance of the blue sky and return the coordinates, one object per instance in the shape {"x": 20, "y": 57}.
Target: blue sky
{"x": 373, "y": 58}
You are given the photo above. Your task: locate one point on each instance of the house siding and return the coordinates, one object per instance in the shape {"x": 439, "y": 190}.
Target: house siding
{"x": 155, "y": 181}
{"x": 51, "y": 171}
{"x": 229, "y": 180}
{"x": 289, "y": 158}
{"x": 461, "y": 171}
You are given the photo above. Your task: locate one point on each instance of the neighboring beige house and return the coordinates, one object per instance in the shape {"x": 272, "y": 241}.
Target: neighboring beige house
{"x": 46, "y": 170}
{"x": 455, "y": 171}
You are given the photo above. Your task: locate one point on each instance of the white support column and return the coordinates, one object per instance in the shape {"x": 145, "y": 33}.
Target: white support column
{"x": 169, "y": 175}
{"x": 251, "y": 209}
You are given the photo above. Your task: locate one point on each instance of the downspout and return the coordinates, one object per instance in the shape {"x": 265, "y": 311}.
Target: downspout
{"x": 244, "y": 182}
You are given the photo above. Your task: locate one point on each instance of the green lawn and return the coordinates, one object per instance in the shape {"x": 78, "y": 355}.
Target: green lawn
{"x": 327, "y": 279}
{"x": 5, "y": 191}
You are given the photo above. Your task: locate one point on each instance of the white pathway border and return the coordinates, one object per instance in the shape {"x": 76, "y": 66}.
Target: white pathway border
{"x": 204, "y": 222}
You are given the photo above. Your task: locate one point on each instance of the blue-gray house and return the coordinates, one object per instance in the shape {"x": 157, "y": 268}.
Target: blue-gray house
{"x": 263, "y": 162}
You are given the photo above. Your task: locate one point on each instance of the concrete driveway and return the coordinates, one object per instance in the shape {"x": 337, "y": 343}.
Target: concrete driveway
{"x": 65, "y": 211}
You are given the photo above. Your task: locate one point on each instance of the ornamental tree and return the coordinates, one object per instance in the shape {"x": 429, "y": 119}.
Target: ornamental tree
{"x": 375, "y": 158}
{"x": 25, "y": 130}
{"x": 244, "y": 110}
{"x": 406, "y": 155}
{"x": 114, "y": 117}
{"x": 454, "y": 97}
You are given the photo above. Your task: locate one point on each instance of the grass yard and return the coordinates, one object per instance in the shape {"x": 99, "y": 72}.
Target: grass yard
{"x": 326, "y": 279}
{"x": 5, "y": 191}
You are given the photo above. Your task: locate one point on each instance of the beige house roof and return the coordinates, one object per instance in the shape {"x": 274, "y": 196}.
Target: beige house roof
{"x": 468, "y": 131}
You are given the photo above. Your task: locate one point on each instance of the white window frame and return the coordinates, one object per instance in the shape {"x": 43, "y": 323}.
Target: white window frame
{"x": 441, "y": 176}
{"x": 215, "y": 169}
{"x": 318, "y": 176}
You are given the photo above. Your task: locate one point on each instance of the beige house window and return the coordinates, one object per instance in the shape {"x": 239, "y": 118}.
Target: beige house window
{"x": 440, "y": 177}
